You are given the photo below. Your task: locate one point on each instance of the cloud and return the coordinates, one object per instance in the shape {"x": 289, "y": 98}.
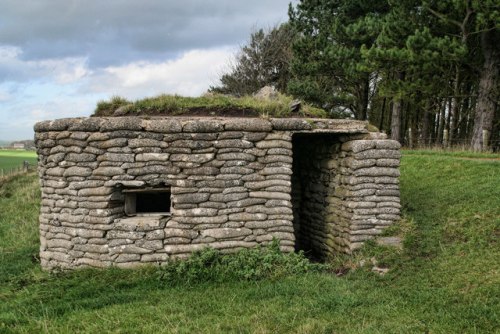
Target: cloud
{"x": 5, "y": 95}
{"x": 190, "y": 75}
{"x": 47, "y": 101}
{"x": 61, "y": 70}
{"x": 118, "y": 32}
{"x": 8, "y": 52}
{"x": 66, "y": 70}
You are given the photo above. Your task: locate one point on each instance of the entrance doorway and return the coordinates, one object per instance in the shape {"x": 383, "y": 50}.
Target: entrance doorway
{"x": 314, "y": 180}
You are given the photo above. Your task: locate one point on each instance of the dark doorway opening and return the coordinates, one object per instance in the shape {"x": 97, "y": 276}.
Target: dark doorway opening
{"x": 315, "y": 169}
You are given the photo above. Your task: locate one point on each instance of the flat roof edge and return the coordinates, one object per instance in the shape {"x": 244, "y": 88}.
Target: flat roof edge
{"x": 202, "y": 124}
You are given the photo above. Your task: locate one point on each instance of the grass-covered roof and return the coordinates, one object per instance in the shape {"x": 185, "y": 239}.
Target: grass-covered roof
{"x": 209, "y": 105}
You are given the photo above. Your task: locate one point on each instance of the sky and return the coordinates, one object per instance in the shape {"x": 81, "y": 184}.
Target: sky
{"x": 58, "y": 58}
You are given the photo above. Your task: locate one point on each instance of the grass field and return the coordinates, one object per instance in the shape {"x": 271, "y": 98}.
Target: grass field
{"x": 445, "y": 280}
{"x": 14, "y": 158}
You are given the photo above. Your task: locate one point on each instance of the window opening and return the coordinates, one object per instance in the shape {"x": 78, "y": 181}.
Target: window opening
{"x": 150, "y": 201}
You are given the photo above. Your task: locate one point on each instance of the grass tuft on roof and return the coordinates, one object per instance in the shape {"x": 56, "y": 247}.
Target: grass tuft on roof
{"x": 208, "y": 105}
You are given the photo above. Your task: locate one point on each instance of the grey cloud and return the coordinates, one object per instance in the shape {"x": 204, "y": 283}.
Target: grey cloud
{"x": 115, "y": 32}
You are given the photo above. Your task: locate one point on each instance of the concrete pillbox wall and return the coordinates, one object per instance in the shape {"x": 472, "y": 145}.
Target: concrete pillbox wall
{"x": 320, "y": 185}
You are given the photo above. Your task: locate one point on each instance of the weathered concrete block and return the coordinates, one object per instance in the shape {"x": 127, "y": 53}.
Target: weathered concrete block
{"x": 270, "y": 195}
{"x": 156, "y": 257}
{"x": 202, "y": 125}
{"x": 226, "y": 233}
{"x": 267, "y": 183}
{"x": 274, "y": 144}
{"x": 195, "y": 158}
{"x": 77, "y": 171}
{"x": 243, "y": 203}
{"x": 290, "y": 124}
{"x": 248, "y": 124}
{"x": 276, "y": 170}
{"x": 162, "y": 125}
{"x": 358, "y": 145}
{"x": 80, "y": 157}
{"x": 388, "y": 162}
{"x": 388, "y": 144}
{"x": 108, "y": 171}
{"x": 378, "y": 154}
{"x": 152, "y": 157}
{"x": 86, "y": 124}
{"x": 244, "y": 216}
{"x": 150, "y": 244}
{"x": 72, "y": 142}
{"x": 119, "y": 157}
{"x": 192, "y": 198}
{"x": 153, "y": 169}
{"x": 233, "y": 143}
{"x": 106, "y": 144}
{"x": 201, "y": 171}
{"x": 236, "y": 156}
{"x": 59, "y": 243}
{"x": 145, "y": 142}
{"x": 55, "y": 171}
{"x": 197, "y": 212}
{"x": 121, "y": 123}
{"x": 124, "y": 258}
{"x": 377, "y": 171}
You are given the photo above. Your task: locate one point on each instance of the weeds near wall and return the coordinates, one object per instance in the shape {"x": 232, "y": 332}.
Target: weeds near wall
{"x": 210, "y": 265}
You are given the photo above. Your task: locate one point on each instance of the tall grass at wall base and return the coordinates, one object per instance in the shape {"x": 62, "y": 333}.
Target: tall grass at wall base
{"x": 256, "y": 264}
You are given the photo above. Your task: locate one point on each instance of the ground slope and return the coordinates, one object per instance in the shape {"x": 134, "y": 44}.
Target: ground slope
{"x": 446, "y": 280}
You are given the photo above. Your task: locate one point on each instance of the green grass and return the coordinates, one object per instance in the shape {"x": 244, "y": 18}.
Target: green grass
{"x": 455, "y": 153}
{"x": 216, "y": 105}
{"x": 445, "y": 280}
{"x": 14, "y": 158}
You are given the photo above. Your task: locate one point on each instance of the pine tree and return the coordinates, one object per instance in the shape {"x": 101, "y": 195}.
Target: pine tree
{"x": 327, "y": 65}
{"x": 411, "y": 57}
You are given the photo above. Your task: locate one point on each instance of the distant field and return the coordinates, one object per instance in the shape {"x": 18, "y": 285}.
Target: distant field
{"x": 14, "y": 158}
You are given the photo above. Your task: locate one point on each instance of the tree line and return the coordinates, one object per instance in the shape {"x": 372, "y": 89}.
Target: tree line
{"x": 424, "y": 71}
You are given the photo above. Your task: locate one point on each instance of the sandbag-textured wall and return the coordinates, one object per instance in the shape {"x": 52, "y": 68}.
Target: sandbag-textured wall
{"x": 314, "y": 180}
{"x": 230, "y": 184}
{"x": 367, "y": 199}
{"x": 343, "y": 194}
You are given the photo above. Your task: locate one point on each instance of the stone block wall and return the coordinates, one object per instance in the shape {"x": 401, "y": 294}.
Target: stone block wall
{"x": 230, "y": 182}
{"x": 344, "y": 191}
{"x": 368, "y": 198}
